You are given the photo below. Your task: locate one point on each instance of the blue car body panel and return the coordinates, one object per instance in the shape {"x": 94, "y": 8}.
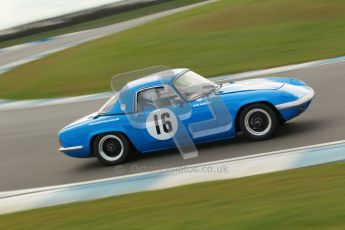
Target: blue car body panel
{"x": 288, "y": 96}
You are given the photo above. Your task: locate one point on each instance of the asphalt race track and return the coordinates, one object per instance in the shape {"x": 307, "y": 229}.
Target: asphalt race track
{"x": 28, "y": 142}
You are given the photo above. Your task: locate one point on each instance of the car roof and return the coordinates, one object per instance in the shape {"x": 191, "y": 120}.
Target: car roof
{"x": 164, "y": 77}
{"x": 126, "y": 93}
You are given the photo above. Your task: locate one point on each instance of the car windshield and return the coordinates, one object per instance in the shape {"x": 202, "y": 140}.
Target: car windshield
{"x": 193, "y": 86}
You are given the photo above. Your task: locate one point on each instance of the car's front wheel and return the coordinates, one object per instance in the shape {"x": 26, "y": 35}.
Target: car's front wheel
{"x": 111, "y": 149}
{"x": 258, "y": 121}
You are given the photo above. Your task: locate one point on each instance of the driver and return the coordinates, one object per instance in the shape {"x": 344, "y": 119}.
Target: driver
{"x": 150, "y": 99}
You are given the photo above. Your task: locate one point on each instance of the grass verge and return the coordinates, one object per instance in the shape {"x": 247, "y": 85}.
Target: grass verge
{"x": 304, "y": 198}
{"x": 222, "y": 37}
{"x": 119, "y": 17}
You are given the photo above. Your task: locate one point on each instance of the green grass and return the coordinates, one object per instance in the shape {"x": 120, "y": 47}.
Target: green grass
{"x": 223, "y": 37}
{"x": 101, "y": 21}
{"x": 307, "y": 198}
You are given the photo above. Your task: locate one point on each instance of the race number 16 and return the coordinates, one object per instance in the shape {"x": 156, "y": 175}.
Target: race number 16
{"x": 162, "y": 124}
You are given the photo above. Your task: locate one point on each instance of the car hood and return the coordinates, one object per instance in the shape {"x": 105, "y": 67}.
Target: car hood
{"x": 249, "y": 85}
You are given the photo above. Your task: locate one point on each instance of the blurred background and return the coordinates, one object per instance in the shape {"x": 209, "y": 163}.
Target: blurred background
{"x": 223, "y": 37}
{"x": 61, "y": 49}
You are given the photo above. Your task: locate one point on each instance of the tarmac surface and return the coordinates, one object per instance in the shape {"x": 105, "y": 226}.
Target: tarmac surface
{"x": 28, "y": 137}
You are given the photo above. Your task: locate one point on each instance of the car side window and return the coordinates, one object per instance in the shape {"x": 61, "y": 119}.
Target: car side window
{"x": 158, "y": 97}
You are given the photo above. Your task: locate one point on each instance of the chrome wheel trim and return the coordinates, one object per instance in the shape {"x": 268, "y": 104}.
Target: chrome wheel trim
{"x": 101, "y": 148}
{"x": 249, "y": 128}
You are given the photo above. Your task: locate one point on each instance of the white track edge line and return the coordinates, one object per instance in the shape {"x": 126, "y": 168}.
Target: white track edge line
{"x": 175, "y": 168}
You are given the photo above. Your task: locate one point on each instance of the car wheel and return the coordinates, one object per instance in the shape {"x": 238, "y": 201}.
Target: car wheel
{"x": 111, "y": 149}
{"x": 258, "y": 121}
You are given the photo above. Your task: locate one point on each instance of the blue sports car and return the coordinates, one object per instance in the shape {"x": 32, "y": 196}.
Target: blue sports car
{"x": 180, "y": 109}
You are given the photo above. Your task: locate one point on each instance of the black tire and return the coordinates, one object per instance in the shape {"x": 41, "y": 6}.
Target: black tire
{"x": 112, "y": 148}
{"x": 258, "y": 121}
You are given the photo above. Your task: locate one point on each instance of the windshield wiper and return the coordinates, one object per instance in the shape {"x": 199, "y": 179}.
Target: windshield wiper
{"x": 218, "y": 87}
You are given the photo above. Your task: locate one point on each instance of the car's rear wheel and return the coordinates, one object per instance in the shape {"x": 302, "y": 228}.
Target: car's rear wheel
{"x": 111, "y": 149}
{"x": 258, "y": 121}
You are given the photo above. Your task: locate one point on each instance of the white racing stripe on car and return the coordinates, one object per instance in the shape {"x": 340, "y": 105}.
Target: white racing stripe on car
{"x": 20, "y": 200}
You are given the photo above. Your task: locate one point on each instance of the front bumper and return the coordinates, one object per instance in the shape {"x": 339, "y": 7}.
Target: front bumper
{"x": 299, "y": 102}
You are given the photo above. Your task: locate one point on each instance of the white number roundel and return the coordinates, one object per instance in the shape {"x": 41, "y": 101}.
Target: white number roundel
{"x": 162, "y": 124}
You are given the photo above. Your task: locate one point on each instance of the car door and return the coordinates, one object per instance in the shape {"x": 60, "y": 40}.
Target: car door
{"x": 165, "y": 120}
{"x": 160, "y": 117}
{"x": 210, "y": 119}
